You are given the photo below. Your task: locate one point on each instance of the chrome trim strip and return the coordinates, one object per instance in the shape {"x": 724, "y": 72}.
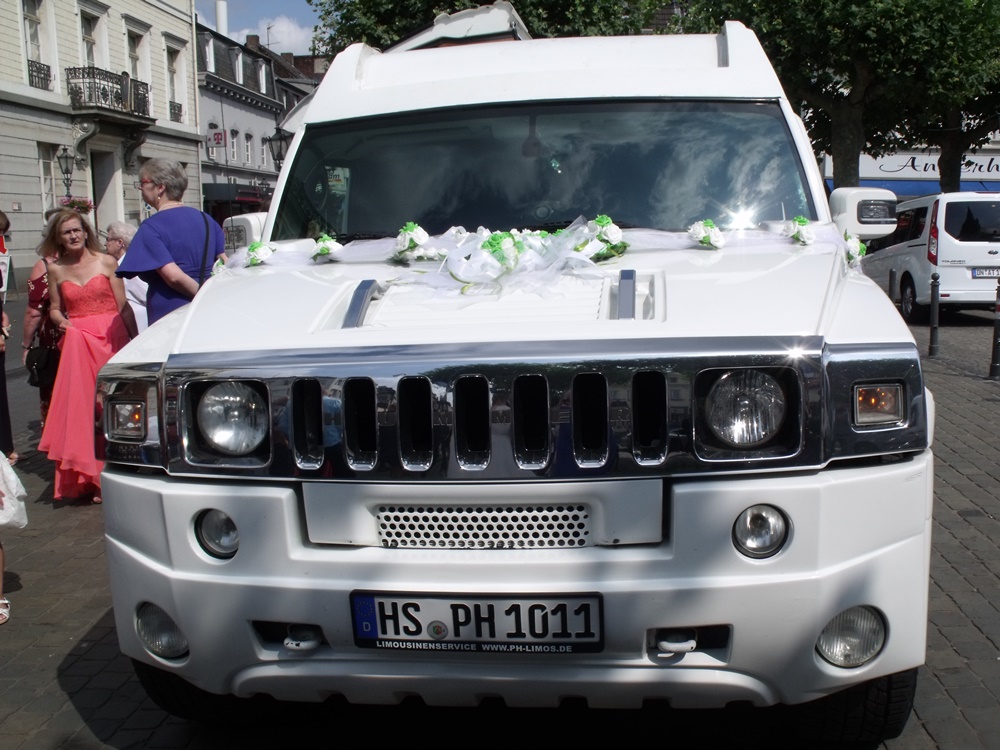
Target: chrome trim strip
{"x": 626, "y": 294}
{"x": 364, "y": 293}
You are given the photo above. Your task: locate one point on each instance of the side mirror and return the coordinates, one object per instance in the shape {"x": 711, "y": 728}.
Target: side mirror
{"x": 864, "y": 212}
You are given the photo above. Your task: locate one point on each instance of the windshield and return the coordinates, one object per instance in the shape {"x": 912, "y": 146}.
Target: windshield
{"x": 661, "y": 165}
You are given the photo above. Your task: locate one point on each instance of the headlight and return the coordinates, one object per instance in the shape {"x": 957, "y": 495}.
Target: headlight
{"x": 232, "y": 417}
{"x": 745, "y": 408}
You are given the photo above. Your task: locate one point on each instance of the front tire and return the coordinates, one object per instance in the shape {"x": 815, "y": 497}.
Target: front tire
{"x": 909, "y": 308}
{"x": 871, "y": 712}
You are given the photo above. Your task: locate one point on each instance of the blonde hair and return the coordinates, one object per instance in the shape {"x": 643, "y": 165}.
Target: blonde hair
{"x": 52, "y": 244}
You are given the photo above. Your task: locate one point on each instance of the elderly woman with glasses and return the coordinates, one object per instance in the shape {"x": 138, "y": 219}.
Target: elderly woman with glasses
{"x": 174, "y": 250}
{"x": 88, "y": 307}
{"x": 119, "y": 236}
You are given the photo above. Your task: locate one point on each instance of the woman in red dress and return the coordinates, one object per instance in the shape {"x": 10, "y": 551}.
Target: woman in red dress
{"x": 88, "y": 306}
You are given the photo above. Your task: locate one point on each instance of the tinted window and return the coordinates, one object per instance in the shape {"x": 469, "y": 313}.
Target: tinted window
{"x": 973, "y": 221}
{"x": 663, "y": 165}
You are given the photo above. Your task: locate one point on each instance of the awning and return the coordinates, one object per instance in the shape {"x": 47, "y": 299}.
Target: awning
{"x": 913, "y": 188}
{"x": 229, "y": 193}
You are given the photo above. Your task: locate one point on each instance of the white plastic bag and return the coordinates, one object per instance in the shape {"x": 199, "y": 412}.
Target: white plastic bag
{"x": 12, "y": 510}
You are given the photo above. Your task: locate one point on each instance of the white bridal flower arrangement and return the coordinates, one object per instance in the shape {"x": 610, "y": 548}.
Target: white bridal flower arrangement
{"x": 326, "y": 249}
{"x": 856, "y": 249}
{"x": 706, "y": 233}
{"x": 799, "y": 230}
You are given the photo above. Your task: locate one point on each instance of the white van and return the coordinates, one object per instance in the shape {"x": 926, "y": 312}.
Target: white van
{"x": 956, "y": 235}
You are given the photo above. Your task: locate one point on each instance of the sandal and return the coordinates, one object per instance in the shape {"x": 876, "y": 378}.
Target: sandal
{"x": 4, "y": 611}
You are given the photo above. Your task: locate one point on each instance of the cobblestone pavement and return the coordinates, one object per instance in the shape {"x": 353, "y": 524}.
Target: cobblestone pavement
{"x": 63, "y": 683}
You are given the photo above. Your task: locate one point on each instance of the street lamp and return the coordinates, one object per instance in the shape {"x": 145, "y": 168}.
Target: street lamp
{"x": 65, "y": 159}
{"x": 263, "y": 186}
{"x": 278, "y": 145}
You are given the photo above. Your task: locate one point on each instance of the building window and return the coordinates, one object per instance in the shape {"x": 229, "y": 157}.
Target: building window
{"x": 236, "y": 58}
{"x": 33, "y": 29}
{"x": 262, "y": 76}
{"x": 208, "y": 50}
{"x": 233, "y": 145}
{"x": 88, "y": 32}
{"x": 135, "y": 55}
{"x": 49, "y": 175}
{"x": 176, "y": 80}
{"x": 263, "y": 154}
{"x": 248, "y": 149}
{"x": 39, "y": 74}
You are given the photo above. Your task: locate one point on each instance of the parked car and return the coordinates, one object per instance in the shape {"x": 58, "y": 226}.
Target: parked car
{"x": 957, "y": 236}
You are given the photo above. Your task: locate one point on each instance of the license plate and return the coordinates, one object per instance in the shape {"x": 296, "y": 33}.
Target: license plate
{"x": 546, "y": 624}
{"x": 986, "y": 273}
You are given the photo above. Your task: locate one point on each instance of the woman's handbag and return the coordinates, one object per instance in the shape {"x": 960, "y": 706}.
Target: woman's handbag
{"x": 42, "y": 363}
{"x": 12, "y": 510}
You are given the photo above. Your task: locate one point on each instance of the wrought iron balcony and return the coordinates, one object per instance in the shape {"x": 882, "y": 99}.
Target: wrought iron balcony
{"x": 176, "y": 112}
{"x": 94, "y": 88}
{"x": 39, "y": 75}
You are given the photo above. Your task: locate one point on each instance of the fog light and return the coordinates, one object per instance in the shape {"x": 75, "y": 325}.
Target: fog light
{"x": 852, "y": 638}
{"x": 760, "y": 531}
{"x": 159, "y": 633}
{"x": 217, "y": 534}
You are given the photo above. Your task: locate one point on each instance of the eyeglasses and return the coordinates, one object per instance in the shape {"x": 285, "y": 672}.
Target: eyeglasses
{"x": 140, "y": 183}
{"x": 71, "y": 232}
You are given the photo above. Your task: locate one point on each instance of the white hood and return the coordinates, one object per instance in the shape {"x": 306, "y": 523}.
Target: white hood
{"x": 759, "y": 284}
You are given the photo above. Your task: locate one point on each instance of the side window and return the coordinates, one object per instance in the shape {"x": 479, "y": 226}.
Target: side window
{"x": 918, "y": 223}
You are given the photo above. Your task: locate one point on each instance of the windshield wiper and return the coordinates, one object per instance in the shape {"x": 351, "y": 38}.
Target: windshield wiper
{"x": 343, "y": 239}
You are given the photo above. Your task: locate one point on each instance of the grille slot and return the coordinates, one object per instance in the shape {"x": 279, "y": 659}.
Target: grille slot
{"x": 416, "y": 431}
{"x": 472, "y": 421}
{"x": 484, "y": 527}
{"x": 360, "y": 422}
{"x": 649, "y": 417}
{"x": 307, "y": 432}
{"x": 531, "y": 421}
{"x": 590, "y": 419}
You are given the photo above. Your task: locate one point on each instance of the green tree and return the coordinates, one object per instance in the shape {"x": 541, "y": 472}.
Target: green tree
{"x": 384, "y": 22}
{"x": 870, "y": 76}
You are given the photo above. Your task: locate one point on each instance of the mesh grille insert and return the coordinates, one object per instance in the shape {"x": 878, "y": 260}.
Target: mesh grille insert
{"x": 484, "y": 527}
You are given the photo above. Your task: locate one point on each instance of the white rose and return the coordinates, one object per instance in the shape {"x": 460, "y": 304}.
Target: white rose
{"x": 716, "y": 237}
{"x": 697, "y": 230}
{"x": 612, "y": 233}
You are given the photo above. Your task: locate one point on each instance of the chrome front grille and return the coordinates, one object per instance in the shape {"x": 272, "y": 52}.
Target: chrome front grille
{"x": 529, "y": 411}
{"x": 489, "y": 527}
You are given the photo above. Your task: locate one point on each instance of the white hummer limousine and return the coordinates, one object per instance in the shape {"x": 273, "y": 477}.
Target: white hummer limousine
{"x": 554, "y": 378}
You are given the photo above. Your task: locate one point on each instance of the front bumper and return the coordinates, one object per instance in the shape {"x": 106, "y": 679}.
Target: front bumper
{"x": 860, "y": 536}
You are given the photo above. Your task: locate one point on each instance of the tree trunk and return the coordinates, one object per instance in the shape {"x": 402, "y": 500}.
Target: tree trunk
{"x": 846, "y": 143}
{"x": 952, "y": 143}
